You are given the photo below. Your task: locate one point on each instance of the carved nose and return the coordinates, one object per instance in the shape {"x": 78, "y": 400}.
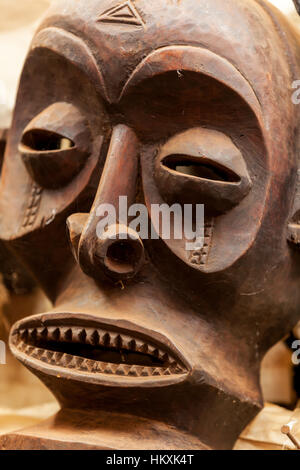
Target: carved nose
{"x": 118, "y": 252}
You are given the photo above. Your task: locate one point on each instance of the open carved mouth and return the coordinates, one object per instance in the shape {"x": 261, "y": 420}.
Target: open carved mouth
{"x": 94, "y": 351}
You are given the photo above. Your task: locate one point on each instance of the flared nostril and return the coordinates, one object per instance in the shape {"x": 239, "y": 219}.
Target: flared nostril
{"x": 120, "y": 252}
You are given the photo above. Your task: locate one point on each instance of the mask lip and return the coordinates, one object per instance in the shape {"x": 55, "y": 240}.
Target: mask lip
{"x": 41, "y": 353}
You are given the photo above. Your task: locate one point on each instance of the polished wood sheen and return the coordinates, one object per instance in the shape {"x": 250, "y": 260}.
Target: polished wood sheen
{"x": 148, "y": 344}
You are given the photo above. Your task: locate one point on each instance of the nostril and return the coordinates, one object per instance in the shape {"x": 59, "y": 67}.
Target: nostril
{"x": 120, "y": 251}
{"x": 123, "y": 256}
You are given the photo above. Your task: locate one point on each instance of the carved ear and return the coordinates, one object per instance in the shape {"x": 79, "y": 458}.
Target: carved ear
{"x": 297, "y": 5}
{"x": 294, "y": 224}
{"x": 3, "y": 139}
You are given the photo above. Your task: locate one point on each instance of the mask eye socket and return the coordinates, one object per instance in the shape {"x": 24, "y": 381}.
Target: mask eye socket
{"x": 201, "y": 167}
{"x": 41, "y": 140}
{"x": 56, "y": 145}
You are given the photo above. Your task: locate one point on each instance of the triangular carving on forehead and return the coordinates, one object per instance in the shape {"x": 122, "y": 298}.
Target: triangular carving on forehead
{"x": 126, "y": 13}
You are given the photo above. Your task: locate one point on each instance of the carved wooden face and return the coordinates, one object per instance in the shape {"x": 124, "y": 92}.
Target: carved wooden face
{"x": 162, "y": 102}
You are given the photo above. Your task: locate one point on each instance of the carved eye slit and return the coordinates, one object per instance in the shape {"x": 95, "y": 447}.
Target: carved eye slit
{"x": 56, "y": 145}
{"x": 42, "y": 140}
{"x": 200, "y": 167}
{"x": 185, "y": 174}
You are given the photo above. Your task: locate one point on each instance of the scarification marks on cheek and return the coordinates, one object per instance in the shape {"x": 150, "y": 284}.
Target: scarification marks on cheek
{"x": 200, "y": 257}
{"x": 32, "y": 206}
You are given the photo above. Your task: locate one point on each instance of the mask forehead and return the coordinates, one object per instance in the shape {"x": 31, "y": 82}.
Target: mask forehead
{"x": 122, "y": 34}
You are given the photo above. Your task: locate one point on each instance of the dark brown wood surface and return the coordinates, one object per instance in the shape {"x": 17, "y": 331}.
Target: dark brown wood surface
{"x": 114, "y": 100}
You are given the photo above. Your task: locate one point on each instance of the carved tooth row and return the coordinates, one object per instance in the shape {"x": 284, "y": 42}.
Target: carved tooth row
{"x": 94, "y": 337}
{"x": 73, "y": 362}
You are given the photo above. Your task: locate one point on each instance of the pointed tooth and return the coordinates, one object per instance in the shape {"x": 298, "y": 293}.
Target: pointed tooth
{"x": 52, "y": 333}
{"x": 101, "y": 334}
{"x": 144, "y": 348}
{"x": 123, "y": 369}
{"x": 139, "y": 344}
{"x": 166, "y": 358}
{"x": 118, "y": 342}
{"x": 146, "y": 372}
{"x": 95, "y": 338}
{"x": 68, "y": 360}
{"x": 107, "y": 368}
{"x": 152, "y": 349}
{"x": 72, "y": 364}
{"x": 161, "y": 354}
{"x": 63, "y": 360}
{"x": 67, "y": 334}
{"x": 120, "y": 370}
{"x": 113, "y": 337}
{"x": 44, "y": 356}
{"x": 82, "y": 336}
{"x": 89, "y": 335}
{"x": 83, "y": 365}
{"x": 155, "y": 353}
{"x": 16, "y": 339}
{"x": 139, "y": 370}
{"x": 78, "y": 361}
{"x": 157, "y": 371}
{"x": 50, "y": 330}
{"x": 44, "y": 333}
{"x": 87, "y": 365}
{"x": 174, "y": 368}
{"x": 167, "y": 372}
{"x": 106, "y": 339}
{"x": 78, "y": 335}
{"x": 173, "y": 365}
{"x": 131, "y": 345}
{"x": 57, "y": 357}
{"x": 114, "y": 367}
{"x": 29, "y": 350}
{"x": 99, "y": 366}
{"x": 21, "y": 346}
{"x": 35, "y": 353}
{"x": 50, "y": 355}
{"x": 125, "y": 341}
{"x": 133, "y": 371}
{"x": 32, "y": 333}
{"x": 56, "y": 334}
{"x": 90, "y": 364}
{"x": 24, "y": 335}
{"x": 40, "y": 352}
{"x": 39, "y": 332}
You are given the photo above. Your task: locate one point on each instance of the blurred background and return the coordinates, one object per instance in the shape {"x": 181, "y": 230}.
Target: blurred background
{"x": 20, "y": 390}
